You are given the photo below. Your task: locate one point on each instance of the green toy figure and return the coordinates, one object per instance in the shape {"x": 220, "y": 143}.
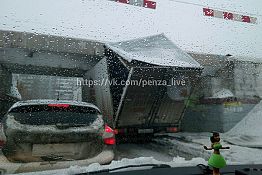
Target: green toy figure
{"x": 216, "y": 160}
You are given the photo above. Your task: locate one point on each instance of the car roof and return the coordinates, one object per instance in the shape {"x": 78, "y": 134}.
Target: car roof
{"x": 51, "y": 101}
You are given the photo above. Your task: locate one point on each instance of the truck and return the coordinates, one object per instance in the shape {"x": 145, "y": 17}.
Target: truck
{"x": 142, "y": 86}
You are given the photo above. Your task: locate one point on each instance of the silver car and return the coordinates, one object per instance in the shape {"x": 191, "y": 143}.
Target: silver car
{"x": 62, "y": 132}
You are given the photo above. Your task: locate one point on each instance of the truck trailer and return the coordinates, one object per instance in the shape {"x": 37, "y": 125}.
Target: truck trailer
{"x": 142, "y": 86}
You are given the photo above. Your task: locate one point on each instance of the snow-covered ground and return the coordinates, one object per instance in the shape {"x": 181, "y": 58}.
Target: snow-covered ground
{"x": 176, "y": 162}
{"x": 250, "y": 125}
{"x": 184, "y": 149}
{"x": 132, "y": 151}
{"x": 181, "y": 149}
{"x": 248, "y": 132}
{"x": 190, "y": 145}
{"x": 245, "y": 141}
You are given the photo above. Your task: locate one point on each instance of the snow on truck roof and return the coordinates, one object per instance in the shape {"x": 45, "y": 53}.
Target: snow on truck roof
{"x": 51, "y": 101}
{"x": 156, "y": 49}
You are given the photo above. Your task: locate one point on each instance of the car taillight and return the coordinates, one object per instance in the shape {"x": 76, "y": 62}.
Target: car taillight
{"x": 109, "y": 136}
{"x": 108, "y": 129}
{"x": 172, "y": 129}
{"x": 2, "y": 143}
{"x": 110, "y": 141}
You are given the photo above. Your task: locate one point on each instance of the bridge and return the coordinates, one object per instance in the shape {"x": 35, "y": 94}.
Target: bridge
{"x": 22, "y": 52}
{"x": 40, "y": 54}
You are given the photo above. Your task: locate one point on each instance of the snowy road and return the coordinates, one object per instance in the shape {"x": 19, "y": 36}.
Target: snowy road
{"x": 187, "y": 145}
{"x": 180, "y": 149}
{"x": 142, "y": 150}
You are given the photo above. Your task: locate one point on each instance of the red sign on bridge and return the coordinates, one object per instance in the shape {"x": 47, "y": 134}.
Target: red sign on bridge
{"x": 229, "y": 16}
{"x": 142, "y": 3}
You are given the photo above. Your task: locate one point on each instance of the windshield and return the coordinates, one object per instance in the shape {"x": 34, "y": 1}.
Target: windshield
{"x": 104, "y": 84}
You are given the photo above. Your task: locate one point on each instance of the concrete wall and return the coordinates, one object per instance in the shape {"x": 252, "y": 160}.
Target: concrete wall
{"x": 222, "y": 78}
{"x": 247, "y": 79}
{"x": 47, "y": 87}
{"x": 213, "y": 117}
{"x": 36, "y": 42}
{"x": 24, "y": 61}
{"x": 31, "y": 53}
{"x": 243, "y": 79}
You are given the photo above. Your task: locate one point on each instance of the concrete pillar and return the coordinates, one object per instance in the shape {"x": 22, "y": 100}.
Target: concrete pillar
{"x": 247, "y": 80}
{"x": 5, "y": 80}
{"x": 259, "y": 80}
{"x": 5, "y": 85}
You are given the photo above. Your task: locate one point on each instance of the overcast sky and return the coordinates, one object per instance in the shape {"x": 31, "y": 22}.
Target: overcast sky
{"x": 182, "y": 21}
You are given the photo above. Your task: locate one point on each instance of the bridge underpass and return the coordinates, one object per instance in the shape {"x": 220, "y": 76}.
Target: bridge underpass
{"x": 37, "y": 56}
{"x": 26, "y": 53}
{"x": 24, "y": 61}
{"x": 22, "y": 52}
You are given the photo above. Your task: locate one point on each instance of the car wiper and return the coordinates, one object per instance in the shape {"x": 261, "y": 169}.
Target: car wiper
{"x": 205, "y": 169}
{"x": 77, "y": 125}
{"x": 52, "y": 157}
{"x": 128, "y": 166}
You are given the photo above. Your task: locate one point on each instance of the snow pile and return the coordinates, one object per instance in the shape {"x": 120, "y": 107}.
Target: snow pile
{"x": 15, "y": 92}
{"x": 248, "y": 131}
{"x": 249, "y": 125}
{"x": 224, "y": 93}
{"x": 191, "y": 145}
{"x": 177, "y": 162}
{"x": 157, "y": 49}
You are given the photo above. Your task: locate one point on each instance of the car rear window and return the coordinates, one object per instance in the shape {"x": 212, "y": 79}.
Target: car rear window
{"x": 54, "y": 114}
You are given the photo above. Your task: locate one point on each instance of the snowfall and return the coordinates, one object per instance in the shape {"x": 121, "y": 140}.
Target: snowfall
{"x": 186, "y": 149}
{"x": 94, "y": 20}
